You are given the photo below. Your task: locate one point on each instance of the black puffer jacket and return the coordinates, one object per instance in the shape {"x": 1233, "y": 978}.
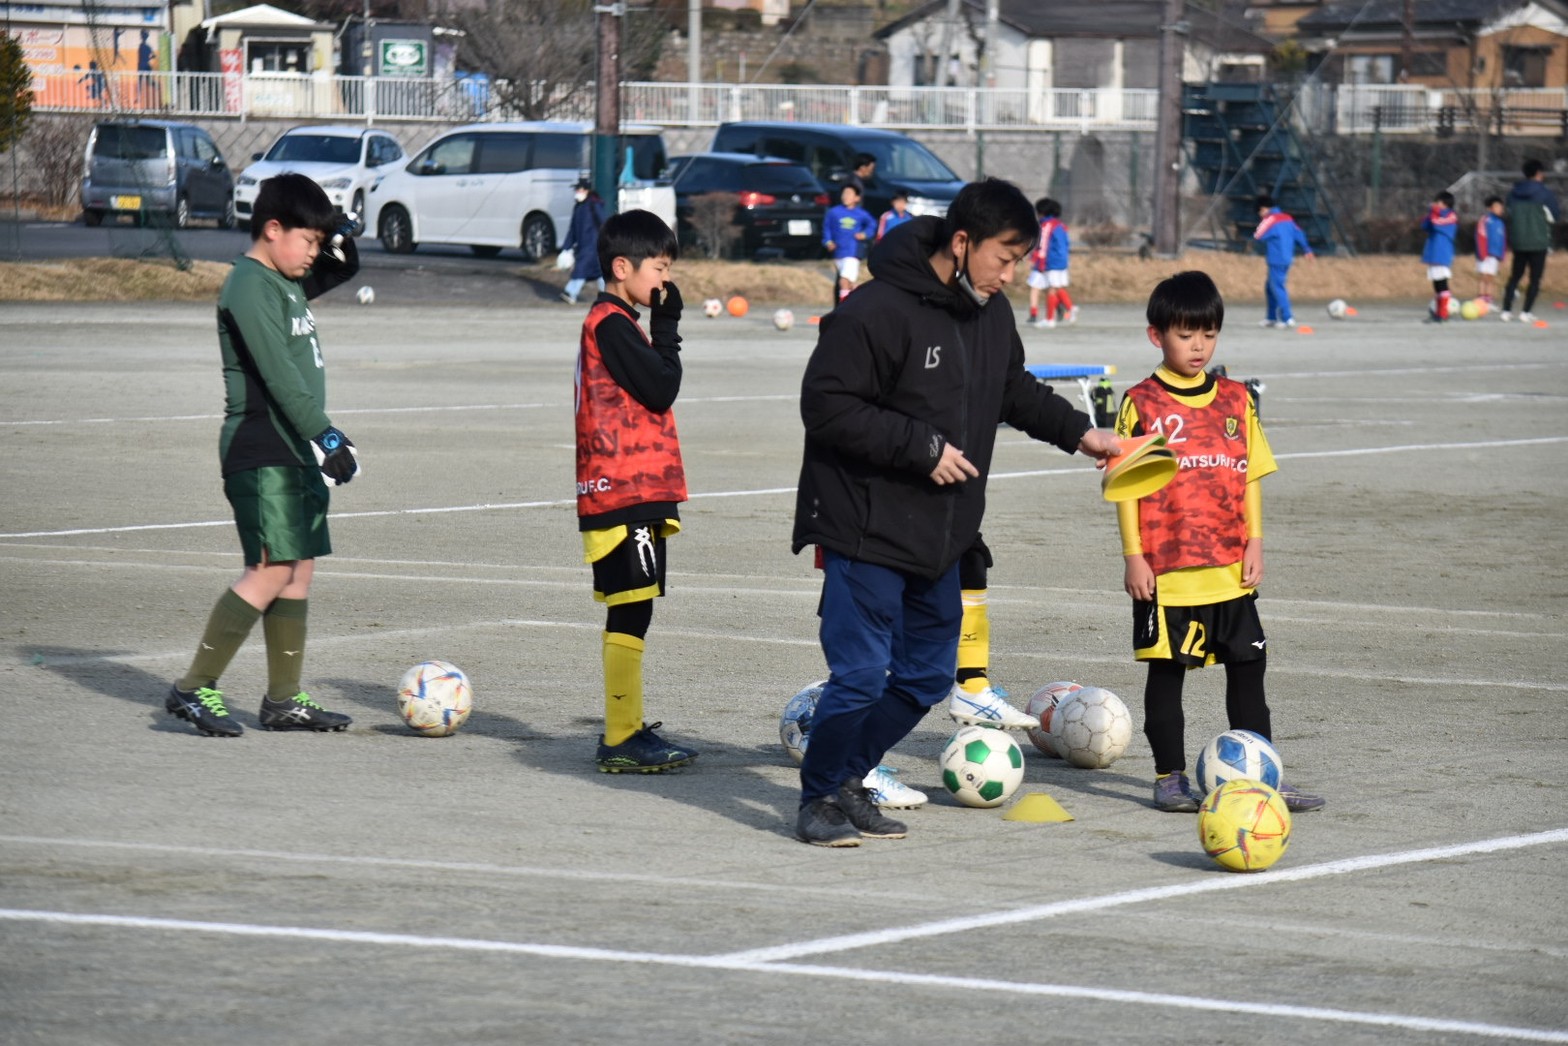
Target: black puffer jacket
{"x": 904, "y": 366}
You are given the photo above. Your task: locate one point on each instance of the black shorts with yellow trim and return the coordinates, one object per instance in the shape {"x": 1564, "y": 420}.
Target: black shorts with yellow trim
{"x": 281, "y": 513}
{"x": 628, "y": 560}
{"x": 1214, "y": 633}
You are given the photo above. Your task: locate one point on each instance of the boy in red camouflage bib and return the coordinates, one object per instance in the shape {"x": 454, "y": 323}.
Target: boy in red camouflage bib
{"x": 1194, "y": 549}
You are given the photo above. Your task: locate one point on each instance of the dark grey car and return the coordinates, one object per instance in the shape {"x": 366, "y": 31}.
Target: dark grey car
{"x": 149, "y": 168}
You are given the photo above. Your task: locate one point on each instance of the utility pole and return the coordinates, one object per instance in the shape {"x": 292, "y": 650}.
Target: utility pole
{"x": 1168, "y": 131}
{"x": 988, "y": 81}
{"x": 607, "y": 107}
{"x": 693, "y": 59}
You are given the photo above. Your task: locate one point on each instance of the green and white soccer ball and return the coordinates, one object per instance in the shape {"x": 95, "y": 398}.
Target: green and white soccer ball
{"x": 1091, "y": 728}
{"x": 982, "y": 766}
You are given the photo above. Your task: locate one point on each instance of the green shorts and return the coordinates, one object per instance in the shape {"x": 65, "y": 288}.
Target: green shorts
{"x": 281, "y": 513}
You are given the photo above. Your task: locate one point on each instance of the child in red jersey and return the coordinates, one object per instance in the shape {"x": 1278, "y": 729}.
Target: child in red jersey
{"x": 629, "y": 473}
{"x": 1194, "y": 549}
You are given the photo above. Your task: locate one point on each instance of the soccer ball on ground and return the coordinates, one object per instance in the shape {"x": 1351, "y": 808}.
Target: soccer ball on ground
{"x": 366, "y": 295}
{"x": 737, "y": 306}
{"x": 1338, "y": 309}
{"x": 1041, "y": 706}
{"x": 783, "y": 319}
{"x": 712, "y": 307}
{"x": 982, "y": 766}
{"x": 1236, "y": 755}
{"x": 1470, "y": 310}
{"x": 1091, "y": 728}
{"x": 435, "y": 698}
{"x": 1244, "y": 825}
{"x": 795, "y": 723}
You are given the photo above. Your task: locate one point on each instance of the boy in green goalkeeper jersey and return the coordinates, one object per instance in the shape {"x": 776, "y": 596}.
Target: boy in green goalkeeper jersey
{"x": 278, "y": 451}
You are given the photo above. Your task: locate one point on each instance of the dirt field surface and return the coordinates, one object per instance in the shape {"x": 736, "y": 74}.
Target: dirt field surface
{"x": 159, "y": 888}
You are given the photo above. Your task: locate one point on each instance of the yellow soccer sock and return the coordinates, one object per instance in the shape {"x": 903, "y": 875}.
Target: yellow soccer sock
{"x": 622, "y": 686}
{"x": 974, "y": 641}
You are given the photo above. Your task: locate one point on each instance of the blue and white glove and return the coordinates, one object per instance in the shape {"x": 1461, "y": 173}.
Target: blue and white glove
{"x": 336, "y": 456}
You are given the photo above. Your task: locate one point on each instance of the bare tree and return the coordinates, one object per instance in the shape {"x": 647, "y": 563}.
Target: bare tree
{"x": 541, "y": 54}
{"x": 54, "y": 145}
{"x": 713, "y": 220}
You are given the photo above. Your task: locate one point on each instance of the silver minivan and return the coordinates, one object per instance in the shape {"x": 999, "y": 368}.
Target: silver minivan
{"x": 155, "y": 168}
{"x": 494, "y": 186}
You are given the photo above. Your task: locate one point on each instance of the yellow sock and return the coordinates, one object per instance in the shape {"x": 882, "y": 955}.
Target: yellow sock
{"x": 622, "y": 686}
{"x": 974, "y": 639}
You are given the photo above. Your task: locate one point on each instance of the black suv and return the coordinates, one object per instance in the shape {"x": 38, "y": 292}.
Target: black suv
{"x": 778, "y": 205}
{"x": 829, "y": 151}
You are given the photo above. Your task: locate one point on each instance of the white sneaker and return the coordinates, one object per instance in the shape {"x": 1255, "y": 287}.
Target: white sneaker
{"x": 888, "y": 792}
{"x": 1072, "y": 314}
{"x": 987, "y": 709}
{"x": 1527, "y": 317}
{"x": 1506, "y": 317}
{"x": 1266, "y": 323}
{"x": 1286, "y": 324}
{"x": 1045, "y": 324}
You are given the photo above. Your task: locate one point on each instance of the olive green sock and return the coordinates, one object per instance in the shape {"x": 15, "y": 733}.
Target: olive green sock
{"x": 229, "y": 623}
{"x": 284, "y": 626}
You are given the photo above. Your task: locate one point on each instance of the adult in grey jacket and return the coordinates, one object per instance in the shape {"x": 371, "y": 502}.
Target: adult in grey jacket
{"x": 901, "y": 399}
{"x": 1532, "y": 212}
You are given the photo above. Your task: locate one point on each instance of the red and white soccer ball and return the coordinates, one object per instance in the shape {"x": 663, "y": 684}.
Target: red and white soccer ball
{"x": 1041, "y": 707}
{"x": 712, "y": 308}
{"x": 435, "y": 698}
{"x": 783, "y": 319}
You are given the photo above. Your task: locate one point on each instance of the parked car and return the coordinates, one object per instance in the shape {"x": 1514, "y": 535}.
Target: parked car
{"x": 778, "y": 205}
{"x": 344, "y": 161}
{"x": 492, "y": 186}
{"x": 829, "y": 151}
{"x": 155, "y": 168}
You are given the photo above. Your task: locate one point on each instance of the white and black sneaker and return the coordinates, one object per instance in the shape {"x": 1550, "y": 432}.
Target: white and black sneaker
{"x": 203, "y": 708}
{"x": 300, "y": 713}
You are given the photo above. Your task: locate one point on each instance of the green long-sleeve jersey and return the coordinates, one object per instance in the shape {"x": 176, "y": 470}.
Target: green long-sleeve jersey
{"x": 275, "y": 380}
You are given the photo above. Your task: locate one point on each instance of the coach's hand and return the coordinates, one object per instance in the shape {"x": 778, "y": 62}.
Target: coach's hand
{"x": 336, "y": 456}
{"x": 953, "y": 468}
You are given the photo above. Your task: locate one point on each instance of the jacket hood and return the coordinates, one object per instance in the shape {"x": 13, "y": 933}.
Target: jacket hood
{"x": 1530, "y": 189}
{"x": 903, "y": 259}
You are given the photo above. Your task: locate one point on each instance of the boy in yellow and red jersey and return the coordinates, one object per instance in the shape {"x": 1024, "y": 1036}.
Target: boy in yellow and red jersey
{"x": 630, "y": 479}
{"x": 1194, "y": 549}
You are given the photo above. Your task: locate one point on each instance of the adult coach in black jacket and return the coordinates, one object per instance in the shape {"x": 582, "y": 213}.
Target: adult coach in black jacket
{"x": 901, "y": 400}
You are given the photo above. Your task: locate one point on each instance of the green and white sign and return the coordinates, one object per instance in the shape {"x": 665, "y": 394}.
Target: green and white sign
{"x": 404, "y": 58}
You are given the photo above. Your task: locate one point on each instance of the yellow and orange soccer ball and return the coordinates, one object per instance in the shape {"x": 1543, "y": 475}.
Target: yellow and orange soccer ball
{"x": 1244, "y": 825}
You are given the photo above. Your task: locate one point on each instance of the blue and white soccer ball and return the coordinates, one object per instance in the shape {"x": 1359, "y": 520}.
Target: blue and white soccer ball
{"x": 435, "y": 698}
{"x": 982, "y": 766}
{"x": 1237, "y": 755}
{"x": 795, "y": 723}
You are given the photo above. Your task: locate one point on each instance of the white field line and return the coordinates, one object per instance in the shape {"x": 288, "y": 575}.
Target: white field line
{"x": 1035, "y": 913}
{"x": 837, "y": 973}
{"x": 761, "y": 492}
{"x": 774, "y": 961}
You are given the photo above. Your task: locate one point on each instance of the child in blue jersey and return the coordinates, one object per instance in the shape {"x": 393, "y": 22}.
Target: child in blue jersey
{"x": 1281, "y": 237}
{"x": 1048, "y": 271}
{"x": 1440, "y": 225}
{"x": 1491, "y": 244}
{"x": 845, "y": 230}
{"x": 895, "y": 215}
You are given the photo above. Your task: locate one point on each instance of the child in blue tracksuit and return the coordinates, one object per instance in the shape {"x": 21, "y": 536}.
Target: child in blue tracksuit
{"x": 1440, "y": 225}
{"x": 845, "y": 230}
{"x": 1491, "y": 244}
{"x": 1280, "y": 236}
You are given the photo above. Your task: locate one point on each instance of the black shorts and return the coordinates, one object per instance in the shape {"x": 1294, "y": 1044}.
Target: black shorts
{"x": 634, "y": 569}
{"x": 1215, "y": 633}
{"x": 972, "y": 565}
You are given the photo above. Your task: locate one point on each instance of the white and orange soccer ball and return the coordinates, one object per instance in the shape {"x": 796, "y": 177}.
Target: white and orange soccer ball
{"x": 1042, "y": 706}
{"x": 435, "y": 698}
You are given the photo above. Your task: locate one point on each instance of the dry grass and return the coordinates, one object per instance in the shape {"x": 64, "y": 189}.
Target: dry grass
{"x": 111, "y": 279}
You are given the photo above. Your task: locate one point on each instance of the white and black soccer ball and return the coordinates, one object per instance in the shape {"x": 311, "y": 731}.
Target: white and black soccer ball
{"x": 1239, "y": 755}
{"x": 982, "y": 766}
{"x": 795, "y": 723}
{"x": 435, "y": 698}
{"x": 366, "y": 295}
{"x": 1338, "y": 308}
{"x": 1091, "y": 728}
{"x": 783, "y": 319}
{"x": 712, "y": 308}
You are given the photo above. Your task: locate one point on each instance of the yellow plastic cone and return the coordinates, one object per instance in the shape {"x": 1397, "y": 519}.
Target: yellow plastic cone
{"x": 1037, "y": 806}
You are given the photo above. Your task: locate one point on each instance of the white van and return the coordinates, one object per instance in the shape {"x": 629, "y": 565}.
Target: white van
{"x": 492, "y": 186}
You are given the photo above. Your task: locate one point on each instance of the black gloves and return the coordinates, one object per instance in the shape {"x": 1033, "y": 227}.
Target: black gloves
{"x": 336, "y": 456}
{"x": 664, "y": 312}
